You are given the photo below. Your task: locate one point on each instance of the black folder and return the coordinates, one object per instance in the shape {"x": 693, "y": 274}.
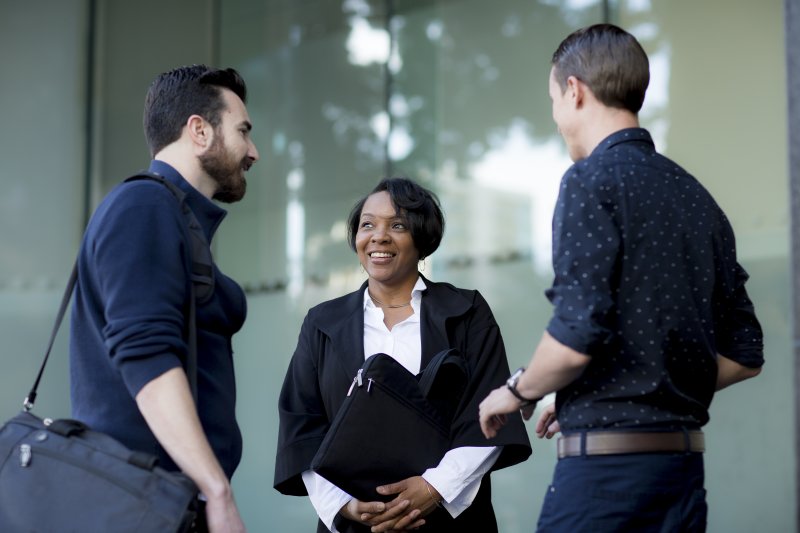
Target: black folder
{"x": 392, "y": 425}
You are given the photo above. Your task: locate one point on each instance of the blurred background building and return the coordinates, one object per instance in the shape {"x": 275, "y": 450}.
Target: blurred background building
{"x": 450, "y": 92}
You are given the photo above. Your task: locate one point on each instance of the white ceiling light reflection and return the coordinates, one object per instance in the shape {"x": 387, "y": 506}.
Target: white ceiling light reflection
{"x": 400, "y": 143}
{"x": 380, "y": 124}
{"x": 402, "y": 106}
{"x": 295, "y": 232}
{"x": 367, "y": 45}
{"x": 434, "y": 30}
{"x": 654, "y": 115}
{"x": 571, "y": 5}
{"x": 519, "y": 166}
{"x": 356, "y": 7}
{"x": 638, "y": 5}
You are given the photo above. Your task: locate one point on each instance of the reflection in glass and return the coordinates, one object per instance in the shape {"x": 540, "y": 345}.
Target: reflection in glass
{"x": 454, "y": 93}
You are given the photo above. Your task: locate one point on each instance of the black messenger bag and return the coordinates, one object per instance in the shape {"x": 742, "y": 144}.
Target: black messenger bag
{"x": 59, "y": 476}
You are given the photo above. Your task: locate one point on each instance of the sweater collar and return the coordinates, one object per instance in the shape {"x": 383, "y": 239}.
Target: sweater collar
{"x": 208, "y": 214}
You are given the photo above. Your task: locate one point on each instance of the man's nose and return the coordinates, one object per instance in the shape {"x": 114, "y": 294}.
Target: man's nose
{"x": 252, "y": 152}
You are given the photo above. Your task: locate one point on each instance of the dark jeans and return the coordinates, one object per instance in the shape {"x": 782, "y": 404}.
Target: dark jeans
{"x": 656, "y": 492}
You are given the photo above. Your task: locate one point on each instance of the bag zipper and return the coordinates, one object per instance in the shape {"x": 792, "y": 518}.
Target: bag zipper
{"x": 25, "y": 455}
{"x": 358, "y": 380}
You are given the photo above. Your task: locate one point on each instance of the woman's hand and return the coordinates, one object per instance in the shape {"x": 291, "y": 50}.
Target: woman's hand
{"x": 373, "y": 513}
{"x": 548, "y": 425}
{"x": 420, "y": 497}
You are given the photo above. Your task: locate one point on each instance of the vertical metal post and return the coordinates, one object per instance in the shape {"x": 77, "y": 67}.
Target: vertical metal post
{"x": 792, "y": 18}
{"x": 88, "y": 150}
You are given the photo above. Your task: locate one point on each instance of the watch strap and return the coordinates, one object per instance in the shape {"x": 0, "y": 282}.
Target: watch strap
{"x": 524, "y": 402}
{"x": 511, "y": 384}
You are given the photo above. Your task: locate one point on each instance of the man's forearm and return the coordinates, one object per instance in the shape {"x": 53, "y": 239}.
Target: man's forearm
{"x": 552, "y": 367}
{"x": 167, "y": 405}
{"x": 730, "y": 372}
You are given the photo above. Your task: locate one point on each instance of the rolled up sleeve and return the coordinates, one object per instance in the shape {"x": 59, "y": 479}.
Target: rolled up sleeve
{"x": 586, "y": 244}
{"x": 141, "y": 266}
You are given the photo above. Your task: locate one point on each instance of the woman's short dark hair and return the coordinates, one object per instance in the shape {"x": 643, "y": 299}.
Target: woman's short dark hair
{"x": 607, "y": 59}
{"x": 418, "y": 205}
{"x": 176, "y": 95}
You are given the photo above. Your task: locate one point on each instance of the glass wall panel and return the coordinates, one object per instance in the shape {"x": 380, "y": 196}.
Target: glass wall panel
{"x": 315, "y": 74}
{"x": 471, "y": 117}
{"x": 42, "y": 146}
{"x": 451, "y": 92}
{"x": 463, "y": 117}
{"x": 717, "y": 105}
{"x": 135, "y": 42}
{"x": 468, "y": 114}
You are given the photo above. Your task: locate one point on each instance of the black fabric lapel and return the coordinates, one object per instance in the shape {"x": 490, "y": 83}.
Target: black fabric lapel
{"x": 343, "y": 323}
{"x": 440, "y": 302}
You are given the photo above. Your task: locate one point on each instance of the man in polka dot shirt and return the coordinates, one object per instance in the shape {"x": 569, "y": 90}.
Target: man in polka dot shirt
{"x": 650, "y": 317}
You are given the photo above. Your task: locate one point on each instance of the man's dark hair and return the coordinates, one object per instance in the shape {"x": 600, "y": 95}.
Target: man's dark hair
{"x": 176, "y": 95}
{"x": 419, "y": 206}
{"x": 607, "y": 59}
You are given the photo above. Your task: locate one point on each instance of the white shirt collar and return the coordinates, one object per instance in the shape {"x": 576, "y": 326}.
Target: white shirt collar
{"x": 416, "y": 296}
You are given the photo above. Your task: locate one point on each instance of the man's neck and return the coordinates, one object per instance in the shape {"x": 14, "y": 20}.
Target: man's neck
{"x": 604, "y": 122}
{"x": 189, "y": 167}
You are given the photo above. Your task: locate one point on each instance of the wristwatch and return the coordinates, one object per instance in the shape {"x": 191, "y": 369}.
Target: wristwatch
{"x": 512, "y": 386}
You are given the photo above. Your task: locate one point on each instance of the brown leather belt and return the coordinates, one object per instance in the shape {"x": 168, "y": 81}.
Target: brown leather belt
{"x": 619, "y": 442}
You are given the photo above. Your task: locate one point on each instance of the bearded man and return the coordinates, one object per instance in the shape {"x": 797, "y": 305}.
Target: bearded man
{"x": 128, "y": 342}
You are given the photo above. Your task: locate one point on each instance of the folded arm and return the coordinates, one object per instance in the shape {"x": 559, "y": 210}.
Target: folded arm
{"x": 730, "y": 372}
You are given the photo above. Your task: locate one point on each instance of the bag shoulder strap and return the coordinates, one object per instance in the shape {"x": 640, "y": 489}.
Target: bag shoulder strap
{"x": 202, "y": 262}
{"x": 449, "y": 356}
{"x": 30, "y": 399}
{"x": 202, "y": 287}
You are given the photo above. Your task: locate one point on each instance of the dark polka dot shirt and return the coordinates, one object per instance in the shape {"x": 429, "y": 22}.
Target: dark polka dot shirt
{"x": 647, "y": 284}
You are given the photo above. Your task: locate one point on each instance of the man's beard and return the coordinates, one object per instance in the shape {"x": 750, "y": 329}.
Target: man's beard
{"x": 229, "y": 174}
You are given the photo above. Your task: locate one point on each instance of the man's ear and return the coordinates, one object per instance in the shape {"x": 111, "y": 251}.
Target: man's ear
{"x": 577, "y": 91}
{"x": 200, "y": 131}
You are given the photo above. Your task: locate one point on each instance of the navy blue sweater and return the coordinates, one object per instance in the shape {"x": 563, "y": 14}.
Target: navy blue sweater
{"x": 129, "y": 312}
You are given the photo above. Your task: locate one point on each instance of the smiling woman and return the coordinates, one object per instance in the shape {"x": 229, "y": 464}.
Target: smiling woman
{"x": 384, "y": 230}
{"x": 400, "y": 313}
{"x": 386, "y": 250}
